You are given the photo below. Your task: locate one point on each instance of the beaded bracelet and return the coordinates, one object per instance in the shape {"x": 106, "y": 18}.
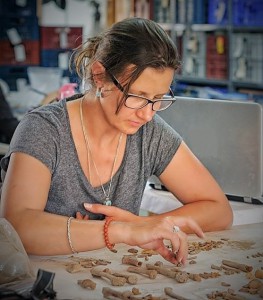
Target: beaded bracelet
{"x": 106, "y": 233}
{"x": 69, "y": 235}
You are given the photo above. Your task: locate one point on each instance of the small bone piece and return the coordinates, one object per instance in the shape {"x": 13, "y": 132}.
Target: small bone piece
{"x": 131, "y": 279}
{"x": 133, "y": 250}
{"x": 108, "y": 293}
{"x": 254, "y": 284}
{"x": 216, "y": 267}
{"x": 259, "y": 274}
{"x": 87, "y": 283}
{"x": 131, "y": 260}
{"x": 162, "y": 270}
{"x": 73, "y": 268}
{"x": 242, "y": 267}
{"x": 169, "y": 292}
{"x": 140, "y": 270}
{"x": 115, "y": 281}
{"x": 195, "y": 277}
{"x": 179, "y": 276}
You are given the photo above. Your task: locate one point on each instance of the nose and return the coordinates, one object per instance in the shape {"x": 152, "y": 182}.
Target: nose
{"x": 146, "y": 113}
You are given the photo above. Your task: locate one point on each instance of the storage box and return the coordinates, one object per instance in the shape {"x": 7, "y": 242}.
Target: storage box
{"x": 247, "y": 12}
{"x": 51, "y": 58}
{"x": 16, "y": 8}
{"x": 8, "y": 57}
{"x": 11, "y": 74}
{"x": 27, "y": 28}
{"x": 218, "y": 12}
{"x": 60, "y": 37}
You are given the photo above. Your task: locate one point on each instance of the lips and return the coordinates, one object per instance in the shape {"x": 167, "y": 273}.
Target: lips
{"x": 135, "y": 124}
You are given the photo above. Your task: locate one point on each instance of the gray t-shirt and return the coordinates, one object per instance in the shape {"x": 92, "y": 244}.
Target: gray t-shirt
{"x": 45, "y": 134}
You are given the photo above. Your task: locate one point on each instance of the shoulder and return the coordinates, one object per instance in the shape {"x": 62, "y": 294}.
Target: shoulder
{"x": 160, "y": 128}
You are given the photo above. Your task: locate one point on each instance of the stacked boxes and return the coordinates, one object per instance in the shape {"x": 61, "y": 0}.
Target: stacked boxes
{"x": 247, "y": 59}
{"x": 247, "y": 12}
{"x": 57, "y": 44}
{"x": 194, "y": 44}
{"x": 217, "y": 56}
{"x": 218, "y": 12}
{"x": 19, "y": 39}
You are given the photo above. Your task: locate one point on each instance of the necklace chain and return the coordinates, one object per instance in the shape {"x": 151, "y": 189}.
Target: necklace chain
{"x": 107, "y": 200}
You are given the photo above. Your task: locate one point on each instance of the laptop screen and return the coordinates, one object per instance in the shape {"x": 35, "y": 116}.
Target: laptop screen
{"x": 226, "y": 136}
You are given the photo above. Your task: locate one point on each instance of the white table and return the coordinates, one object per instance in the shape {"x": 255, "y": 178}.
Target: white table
{"x": 157, "y": 201}
{"x": 244, "y": 241}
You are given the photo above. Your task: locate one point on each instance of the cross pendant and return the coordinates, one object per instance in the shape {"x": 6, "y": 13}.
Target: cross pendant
{"x": 107, "y": 202}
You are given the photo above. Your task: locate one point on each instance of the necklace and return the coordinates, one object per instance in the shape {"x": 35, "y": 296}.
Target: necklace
{"x": 107, "y": 200}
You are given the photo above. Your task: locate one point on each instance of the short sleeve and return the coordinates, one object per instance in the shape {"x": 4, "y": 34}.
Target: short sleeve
{"x": 36, "y": 136}
{"x": 162, "y": 146}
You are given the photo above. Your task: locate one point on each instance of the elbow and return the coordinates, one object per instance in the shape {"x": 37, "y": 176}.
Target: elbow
{"x": 227, "y": 218}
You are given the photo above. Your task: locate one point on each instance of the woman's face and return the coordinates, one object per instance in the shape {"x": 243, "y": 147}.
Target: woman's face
{"x": 152, "y": 84}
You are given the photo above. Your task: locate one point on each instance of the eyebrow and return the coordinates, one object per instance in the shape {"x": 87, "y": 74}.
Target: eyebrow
{"x": 144, "y": 94}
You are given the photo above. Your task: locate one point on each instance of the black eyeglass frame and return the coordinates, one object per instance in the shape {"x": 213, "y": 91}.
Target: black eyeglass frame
{"x": 127, "y": 95}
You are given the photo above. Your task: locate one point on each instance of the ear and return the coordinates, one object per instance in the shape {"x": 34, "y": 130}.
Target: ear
{"x": 98, "y": 72}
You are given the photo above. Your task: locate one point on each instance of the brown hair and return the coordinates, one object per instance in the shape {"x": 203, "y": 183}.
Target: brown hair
{"x": 133, "y": 41}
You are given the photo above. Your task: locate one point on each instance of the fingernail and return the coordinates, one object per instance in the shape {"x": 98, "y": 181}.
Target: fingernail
{"x": 87, "y": 205}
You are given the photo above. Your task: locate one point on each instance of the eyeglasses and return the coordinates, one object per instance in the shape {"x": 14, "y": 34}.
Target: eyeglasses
{"x": 136, "y": 102}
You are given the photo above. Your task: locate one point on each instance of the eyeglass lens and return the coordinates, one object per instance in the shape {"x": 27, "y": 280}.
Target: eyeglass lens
{"x": 136, "y": 102}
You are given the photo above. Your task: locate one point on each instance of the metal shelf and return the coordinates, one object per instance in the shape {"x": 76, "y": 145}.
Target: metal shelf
{"x": 178, "y": 30}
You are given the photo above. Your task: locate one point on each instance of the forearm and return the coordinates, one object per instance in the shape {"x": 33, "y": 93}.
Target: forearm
{"x": 46, "y": 234}
{"x": 210, "y": 215}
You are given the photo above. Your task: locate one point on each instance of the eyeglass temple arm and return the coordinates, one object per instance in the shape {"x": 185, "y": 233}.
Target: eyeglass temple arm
{"x": 116, "y": 82}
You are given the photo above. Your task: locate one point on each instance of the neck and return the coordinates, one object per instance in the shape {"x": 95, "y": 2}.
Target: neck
{"x": 98, "y": 128}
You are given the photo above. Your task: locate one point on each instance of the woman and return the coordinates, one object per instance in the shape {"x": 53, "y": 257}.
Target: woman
{"x": 91, "y": 157}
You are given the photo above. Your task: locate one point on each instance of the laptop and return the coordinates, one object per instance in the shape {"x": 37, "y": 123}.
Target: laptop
{"x": 227, "y": 138}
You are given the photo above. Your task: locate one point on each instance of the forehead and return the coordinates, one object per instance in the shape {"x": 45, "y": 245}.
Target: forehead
{"x": 157, "y": 81}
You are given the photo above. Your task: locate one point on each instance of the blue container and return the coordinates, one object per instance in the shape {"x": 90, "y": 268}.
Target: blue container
{"x": 218, "y": 12}
{"x": 27, "y": 28}
{"x": 50, "y": 58}
{"x": 13, "y": 8}
{"x": 11, "y": 74}
{"x": 248, "y": 12}
{"x": 196, "y": 11}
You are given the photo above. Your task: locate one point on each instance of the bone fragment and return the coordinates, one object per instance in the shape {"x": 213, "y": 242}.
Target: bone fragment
{"x": 131, "y": 260}
{"x": 136, "y": 291}
{"x": 195, "y": 277}
{"x": 140, "y": 270}
{"x": 108, "y": 293}
{"x": 216, "y": 267}
{"x": 231, "y": 270}
{"x": 161, "y": 270}
{"x": 242, "y": 267}
{"x": 259, "y": 274}
{"x": 254, "y": 284}
{"x": 169, "y": 292}
{"x": 131, "y": 279}
{"x": 73, "y": 268}
{"x": 115, "y": 280}
{"x": 180, "y": 276}
{"x": 87, "y": 283}
{"x": 133, "y": 250}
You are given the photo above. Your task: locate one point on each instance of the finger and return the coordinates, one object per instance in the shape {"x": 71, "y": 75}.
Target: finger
{"x": 167, "y": 254}
{"x": 79, "y": 216}
{"x": 182, "y": 252}
{"x": 99, "y": 208}
{"x": 195, "y": 227}
{"x": 111, "y": 211}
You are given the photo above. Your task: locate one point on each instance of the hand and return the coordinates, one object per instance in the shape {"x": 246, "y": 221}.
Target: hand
{"x": 152, "y": 234}
{"x": 112, "y": 211}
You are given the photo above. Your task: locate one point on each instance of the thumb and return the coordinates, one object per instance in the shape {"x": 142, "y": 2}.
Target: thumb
{"x": 99, "y": 208}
